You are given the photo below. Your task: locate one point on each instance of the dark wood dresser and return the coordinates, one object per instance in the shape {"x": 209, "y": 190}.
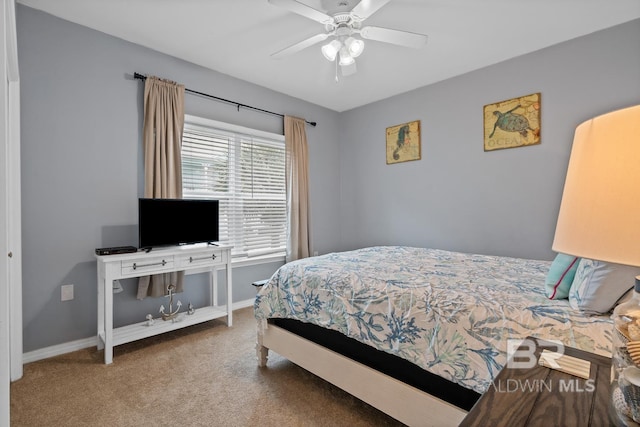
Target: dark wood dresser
{"x": 539, "y": 396}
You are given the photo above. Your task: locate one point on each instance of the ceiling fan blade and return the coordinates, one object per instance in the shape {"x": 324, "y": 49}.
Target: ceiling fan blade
{"x": 347, "y": 70}
{"x": 300, "y": 45}
{"x": 401, "y": 38}
{"x": 366, "y": 8}
{"x": 304, "y": 10}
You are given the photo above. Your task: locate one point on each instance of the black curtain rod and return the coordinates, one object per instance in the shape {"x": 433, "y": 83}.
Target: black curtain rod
{"x": 237, "y": 104}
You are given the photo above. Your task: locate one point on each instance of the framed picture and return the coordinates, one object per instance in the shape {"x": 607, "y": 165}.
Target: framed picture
{"x": 403, "y": 142}
{"x": 512, "y": 123}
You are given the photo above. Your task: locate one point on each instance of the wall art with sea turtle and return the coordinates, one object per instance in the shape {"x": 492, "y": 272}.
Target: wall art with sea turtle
{"x": 512, "y": 123}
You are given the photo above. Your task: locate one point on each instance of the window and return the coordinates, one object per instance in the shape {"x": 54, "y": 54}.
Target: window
{"x": 245, "y": 170}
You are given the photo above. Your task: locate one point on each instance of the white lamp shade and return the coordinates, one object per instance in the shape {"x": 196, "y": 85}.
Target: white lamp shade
{"x": 345, "y": 58}
{"x": 330, "y": 50}
{"x": 599, "y": 214}
{"x": 355, "y": 46}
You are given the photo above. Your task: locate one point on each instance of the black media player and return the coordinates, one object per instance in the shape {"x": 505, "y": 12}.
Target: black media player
{"x": 116, "y": 250}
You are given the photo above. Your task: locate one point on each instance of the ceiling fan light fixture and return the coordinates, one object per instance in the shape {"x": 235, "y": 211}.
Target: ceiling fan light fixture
{"x": 330, "y": 50}
{"x": 355, "y": 46}
{"x": 345, "y": 31}
{"x": 345, "y": 57}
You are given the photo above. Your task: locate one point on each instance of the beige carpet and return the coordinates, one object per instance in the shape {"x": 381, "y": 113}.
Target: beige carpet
{"x": 204, "y": 375}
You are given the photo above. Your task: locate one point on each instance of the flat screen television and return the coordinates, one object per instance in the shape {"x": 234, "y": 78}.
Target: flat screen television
{"x": 170, "y": 222}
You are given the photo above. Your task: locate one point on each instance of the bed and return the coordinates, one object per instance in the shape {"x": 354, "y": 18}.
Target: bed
{"x": 418, "y": 333}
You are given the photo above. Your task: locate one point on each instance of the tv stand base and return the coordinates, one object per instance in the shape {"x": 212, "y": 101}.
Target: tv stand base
{"x": 198, "y": 257}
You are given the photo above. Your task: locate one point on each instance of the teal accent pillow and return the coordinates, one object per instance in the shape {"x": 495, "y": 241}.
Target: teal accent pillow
{"x": 598, "y": 285}
{"x": 560, "y": 276}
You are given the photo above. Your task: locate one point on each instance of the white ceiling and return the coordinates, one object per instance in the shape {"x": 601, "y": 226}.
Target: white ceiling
{"x": 237, "y": 37}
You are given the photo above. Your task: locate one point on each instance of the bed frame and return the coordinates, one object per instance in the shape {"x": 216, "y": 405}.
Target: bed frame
{"x": 403, "y": 402}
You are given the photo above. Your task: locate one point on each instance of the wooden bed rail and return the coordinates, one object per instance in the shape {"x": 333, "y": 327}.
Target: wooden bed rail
{"x": 407, "y": 404}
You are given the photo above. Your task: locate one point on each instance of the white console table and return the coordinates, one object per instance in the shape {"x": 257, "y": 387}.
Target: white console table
{"x": 162, "y": 260}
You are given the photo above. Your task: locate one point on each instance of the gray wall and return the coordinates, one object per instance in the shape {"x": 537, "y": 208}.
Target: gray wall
{"x": 459, "y": 197}
{"x": 82, "y": 166}
{"x": 82, "y": 159}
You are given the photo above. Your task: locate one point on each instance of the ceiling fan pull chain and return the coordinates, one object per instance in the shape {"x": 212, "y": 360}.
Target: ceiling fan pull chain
{"x": 336, "y": 62}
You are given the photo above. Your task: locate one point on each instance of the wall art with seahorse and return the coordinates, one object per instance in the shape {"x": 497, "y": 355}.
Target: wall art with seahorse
{"x": 403, "y": 142}
{"x": 512, "y": 123}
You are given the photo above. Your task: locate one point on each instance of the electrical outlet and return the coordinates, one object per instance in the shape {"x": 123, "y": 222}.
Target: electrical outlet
{"x": 315, "y": 253}
{"x": 66, "y": 292}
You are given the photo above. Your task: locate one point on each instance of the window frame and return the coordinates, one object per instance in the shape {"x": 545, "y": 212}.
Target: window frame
{"x": 205, "y": 124}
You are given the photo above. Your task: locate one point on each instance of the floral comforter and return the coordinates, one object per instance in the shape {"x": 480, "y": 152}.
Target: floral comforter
{"x": 447, "y": 312}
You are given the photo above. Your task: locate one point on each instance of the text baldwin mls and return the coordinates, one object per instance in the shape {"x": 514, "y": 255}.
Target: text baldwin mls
{"x": 574, "y": 385}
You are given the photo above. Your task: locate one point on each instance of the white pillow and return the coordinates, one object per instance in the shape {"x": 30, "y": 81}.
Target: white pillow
{"x": 598, "y": 285}
{"x": 626, "y": 297}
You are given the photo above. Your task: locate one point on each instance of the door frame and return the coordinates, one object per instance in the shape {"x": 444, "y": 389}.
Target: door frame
{"x": 10, "y": 212}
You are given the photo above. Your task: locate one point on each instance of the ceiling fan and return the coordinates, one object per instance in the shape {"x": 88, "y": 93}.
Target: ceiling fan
{"x": 344, "y": 29}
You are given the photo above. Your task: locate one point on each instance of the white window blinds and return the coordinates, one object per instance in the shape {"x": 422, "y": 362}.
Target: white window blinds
{"x": 244, "y": 170}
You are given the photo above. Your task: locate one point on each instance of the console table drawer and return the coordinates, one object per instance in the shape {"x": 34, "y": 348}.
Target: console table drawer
{"x": 142, "y": 265}
{"x": 201, "y": 259}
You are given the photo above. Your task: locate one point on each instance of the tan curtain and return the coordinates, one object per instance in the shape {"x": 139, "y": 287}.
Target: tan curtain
{"x": 297, "y": 187}
{"x": 162, "y": 139}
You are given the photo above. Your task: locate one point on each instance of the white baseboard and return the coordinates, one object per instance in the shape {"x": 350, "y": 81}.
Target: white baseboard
{"x": 68, "y": 347}
{"x": 57, "y": 350}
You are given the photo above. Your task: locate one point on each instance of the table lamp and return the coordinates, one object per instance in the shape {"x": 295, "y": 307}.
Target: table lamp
{"x": 599, "y": 219}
